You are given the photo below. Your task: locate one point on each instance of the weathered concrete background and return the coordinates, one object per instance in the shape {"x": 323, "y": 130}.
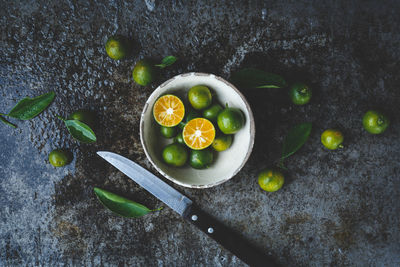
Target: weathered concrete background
{"x": 338, "y": 208}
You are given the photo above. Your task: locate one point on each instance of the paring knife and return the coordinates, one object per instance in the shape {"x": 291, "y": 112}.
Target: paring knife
{"x": 190, "y": 212}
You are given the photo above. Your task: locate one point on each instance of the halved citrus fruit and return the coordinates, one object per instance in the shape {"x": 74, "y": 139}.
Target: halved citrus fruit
{"x": 168, "y": 110}
{"x": 198, "y": 133}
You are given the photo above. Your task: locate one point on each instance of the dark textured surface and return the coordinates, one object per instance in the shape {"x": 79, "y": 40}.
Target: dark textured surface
{"x": 337, "y": 208}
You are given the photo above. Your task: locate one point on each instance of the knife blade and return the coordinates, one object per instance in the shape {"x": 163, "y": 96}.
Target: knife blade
{"x": 190, "y": 212}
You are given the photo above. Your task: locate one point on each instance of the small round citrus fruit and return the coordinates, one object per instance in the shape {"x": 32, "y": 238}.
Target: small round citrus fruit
{"x": 59, "y": 157}
{"x": 144, "y": 72}
{"x": 270, "y": 180}
{"x": 375, "y": 122}
{"x": 198, "y": 133}
{"x": 199, "y": 96}
{"x": 230, "y": 120}
{"x": 117, "y": 47}
{"x": 222, "y": 142}
{"x": 168, "y": 110}
{"x": 332, "y": 139}
{"x": 168, "y": 132}
{"x": 201, "y": 159}
{"x": 175, "y": 155}
{"x": 212, "y": 112}
{"x": 300, "y": 93}
{"x": 179, "y": 139}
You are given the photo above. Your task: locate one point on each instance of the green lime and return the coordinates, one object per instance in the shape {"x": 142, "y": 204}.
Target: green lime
{"x": 168, "y": 132}
{"x": 270, "y": 180}
{"x": 179, "y": 138}
{"x": 332, "y": 139}
{"x": 375, "y": 122}
{"x": 190, "y": 115}
{"x": 117, "y": 47}
{"x": 60, "y": 157}
{"x": 230, "y": 120}
{"x": 86, "y": 116}
{"x": 201, "y": 159}
{"x": 144, "y": 72}
{"x": 199, "y": 97}
{"x": 212, "y": 112}
{"x": 222, "y": 142}
{"x": 175, "y": 155}
{"x": 300, "y": 93}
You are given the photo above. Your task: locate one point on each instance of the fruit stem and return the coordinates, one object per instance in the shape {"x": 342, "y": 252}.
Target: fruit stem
{"x": 303, "y": 90}
{"x": 340, "y": 146}
{"x": 380, "y": 121}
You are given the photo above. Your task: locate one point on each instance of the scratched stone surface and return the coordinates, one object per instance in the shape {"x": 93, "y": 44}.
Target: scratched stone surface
{"x": 337, "y": 208}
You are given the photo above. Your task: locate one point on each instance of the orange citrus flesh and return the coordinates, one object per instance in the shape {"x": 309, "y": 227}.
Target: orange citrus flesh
{"x": 198, "y": 133}
{"x": 168, "y": 110}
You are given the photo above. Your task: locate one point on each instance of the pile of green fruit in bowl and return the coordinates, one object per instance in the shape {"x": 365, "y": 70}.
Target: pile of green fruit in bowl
{"x": 197, "y": 130}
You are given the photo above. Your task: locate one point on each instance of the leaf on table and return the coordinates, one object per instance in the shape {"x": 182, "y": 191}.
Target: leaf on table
{"x": 120, "y": 205}
{"x": 296, "y": 138}
{"x": 167, "y": 61}
{"x": 254, "y": 78}
{"x": 80, "y": 131}
{"x": 2, "y": 119}
{"x": 28, "y": 108}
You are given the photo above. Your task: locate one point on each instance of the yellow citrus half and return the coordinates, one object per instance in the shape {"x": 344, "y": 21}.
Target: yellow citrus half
{"x": 168, "y": 110}
{"x": 198, "y": 133}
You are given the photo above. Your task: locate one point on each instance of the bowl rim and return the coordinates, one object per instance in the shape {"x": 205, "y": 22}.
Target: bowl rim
{"x": 251, "y": 121}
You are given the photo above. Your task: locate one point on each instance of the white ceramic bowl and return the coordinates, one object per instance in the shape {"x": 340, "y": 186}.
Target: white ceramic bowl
{"x": 227, "y": 163}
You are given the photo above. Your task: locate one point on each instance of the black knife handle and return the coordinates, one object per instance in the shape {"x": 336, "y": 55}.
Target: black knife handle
{"x": 227, "y": 238}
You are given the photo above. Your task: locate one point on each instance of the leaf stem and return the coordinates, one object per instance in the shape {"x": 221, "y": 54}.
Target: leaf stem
{"x": 7, "y": 122}
{"x": 61, "y": 118}
{"x": 160, "y": 208}
{"x": 2, "y": 114}
{"x": 161, "y": 66}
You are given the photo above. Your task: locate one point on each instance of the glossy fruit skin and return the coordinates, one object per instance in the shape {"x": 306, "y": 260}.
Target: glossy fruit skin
{"x": 179, "y": 139}
{"x": 212, "y": 112}
{"x": 190, "y": 115}
{"x": 230, "y": 120}
{"x": 332, "y": 139}
{"x": 201, "y": 159}
{"x": 168, "y": 132}
{"x": 59, "y": 157}
{"x": 144, "y": 72}
{"x": 175, "y": 155}
{"x": 271, "y": 180}
{"x": 86, "y": 116}
{"x": 222, "y": 142}
{"x": 117, "y": 47}
{"x": 199, "y": 97}
{"x": 375, "y": 122}
{"x": 300, "y": 93}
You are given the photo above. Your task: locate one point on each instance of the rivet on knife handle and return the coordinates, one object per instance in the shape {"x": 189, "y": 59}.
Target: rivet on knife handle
{"x": 228, "y": 238}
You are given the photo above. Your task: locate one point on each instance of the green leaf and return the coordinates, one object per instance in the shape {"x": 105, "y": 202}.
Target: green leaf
{"x": 2, "y": 119}
{"x": 80, "y": 131}
{"x": 120, "y": 205}
{"x": 254, "y": 78}
{"x": 167, "y": 61}
{"x": 29, "y": 108}
{"x": 296, "y": 138}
